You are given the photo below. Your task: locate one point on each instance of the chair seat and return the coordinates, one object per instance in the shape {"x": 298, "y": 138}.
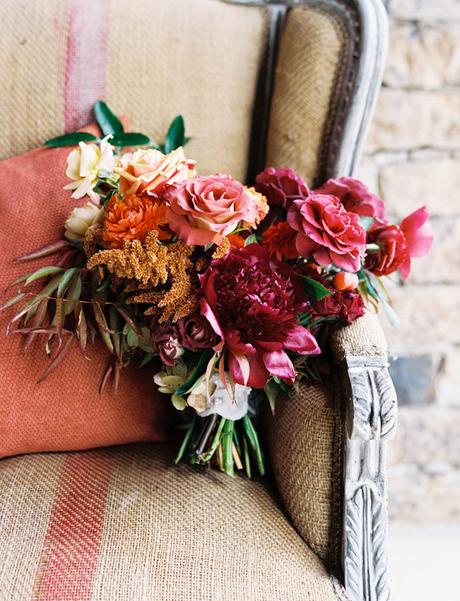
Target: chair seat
{"x": 126, "y": 524}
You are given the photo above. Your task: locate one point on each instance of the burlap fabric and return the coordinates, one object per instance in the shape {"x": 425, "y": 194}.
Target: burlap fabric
{"x": 363, "y": 337}
{"x": 151, "y": 62}
{"x": 126, "y": 524}
{"x": 305, "y": 437}
{"x": 309, "y": 60}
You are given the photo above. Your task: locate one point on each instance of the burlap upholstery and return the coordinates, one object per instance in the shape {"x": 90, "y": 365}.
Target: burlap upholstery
{"x": 304, "y": 437}
{"x": 363, "y": 337}
{"x": 60, "y": 56}
{"x": 309, "y": 61}
{"x": 126, "y": 524}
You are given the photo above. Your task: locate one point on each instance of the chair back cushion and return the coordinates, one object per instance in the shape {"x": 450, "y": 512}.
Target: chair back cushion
{"x": 149, "y": 59}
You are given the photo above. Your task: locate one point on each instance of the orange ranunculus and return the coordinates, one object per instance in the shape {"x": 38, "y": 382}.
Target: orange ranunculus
{"x": 236, "y": 241}
{"x": 280, "y": 241}
{"x": 132, "y": 218}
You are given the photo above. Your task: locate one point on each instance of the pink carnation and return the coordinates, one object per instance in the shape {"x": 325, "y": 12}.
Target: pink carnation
{"x": 252, "y": 302}
{"x": 203, "y": 210}
{"x": 355, "y": 197}
{"x": 326, "y": 231}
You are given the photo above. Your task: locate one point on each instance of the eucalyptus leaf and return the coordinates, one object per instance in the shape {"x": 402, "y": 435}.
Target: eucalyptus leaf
{"x": 176, "y": 134}
{"x": 314, "y": 289}
{"x": 130, "y": 139}
{"x": 107, "y": 120}
{"x": 71, "y": 139}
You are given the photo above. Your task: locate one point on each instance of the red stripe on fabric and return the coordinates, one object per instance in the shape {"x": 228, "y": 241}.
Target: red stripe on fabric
{"x": 69, "y": 555}
{"x": 86, "y": 60}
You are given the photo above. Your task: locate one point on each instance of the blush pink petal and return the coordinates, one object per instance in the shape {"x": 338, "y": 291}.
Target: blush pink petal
{"x": 418, "y": 232}
{"x": 258, "y": 373}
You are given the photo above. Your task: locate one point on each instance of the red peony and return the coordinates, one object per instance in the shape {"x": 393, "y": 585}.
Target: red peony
{"x": 326, "y": 231}
{"x": 281, "y": 186}
{"x": 355, "y": 197}
{"x": 346, "y": 306}
{"x": 252, "y": 302}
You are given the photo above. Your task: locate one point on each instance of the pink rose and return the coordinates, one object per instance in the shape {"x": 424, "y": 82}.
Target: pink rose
{"x": 166, "y": 342}
{"x": 203, "y": 210}
{"x": 355, "y": 197}
{"x": 326, "y": 231}
{"x": 281, "y": 186}
{"x": 148, "y": 171}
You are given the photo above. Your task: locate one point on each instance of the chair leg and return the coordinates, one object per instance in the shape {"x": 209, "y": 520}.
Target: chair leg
{"x": 370, "y": 422}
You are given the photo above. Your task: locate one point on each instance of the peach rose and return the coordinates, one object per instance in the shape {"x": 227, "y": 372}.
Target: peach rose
{"x": 148, "y": 171}
{"x": 203, "y": 210}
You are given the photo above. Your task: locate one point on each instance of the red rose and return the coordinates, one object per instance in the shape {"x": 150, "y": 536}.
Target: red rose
{"x": 281, "y": 186}
{"x": 355, "y": 197}
{"x": 326, "y": 231}
{"x": 392, "y": 252}
{"x": 165, "y": 339}
{"x": 346, "y": 306}
{"x": 196, "y": 333}
{"x": 252, "y": 302}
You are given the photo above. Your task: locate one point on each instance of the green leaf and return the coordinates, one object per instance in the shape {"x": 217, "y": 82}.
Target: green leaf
{"x": 366, "y": 222}
{"x": 176, "y": 134}
{"x": 107, "y": 120}
{"x": 314, "y": 289}
{"x": 66, "y": 279}
{"x": 271, "y": 390}
{"x": 71, "y": 139}
{"x": 196, "y": 373}
{"x": 130, "y": 139}
{"x": 252, "y": 239}
{"x": 44, "y": 272}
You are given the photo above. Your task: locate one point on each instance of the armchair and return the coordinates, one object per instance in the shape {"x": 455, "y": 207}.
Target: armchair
{"x": 258, "y": 83}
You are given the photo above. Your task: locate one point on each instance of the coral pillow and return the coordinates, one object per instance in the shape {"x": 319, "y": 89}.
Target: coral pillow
{"x": 65, "y": 411}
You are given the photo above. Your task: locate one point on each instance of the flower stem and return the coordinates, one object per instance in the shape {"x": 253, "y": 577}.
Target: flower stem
{"x": 186, "y": 440}
{"x": 254, "y": 443}
{"x": 215, "y": 442}
{"x": 227, "y": 444}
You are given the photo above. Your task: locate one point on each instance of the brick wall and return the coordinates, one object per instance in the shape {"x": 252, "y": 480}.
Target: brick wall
{"x": 412, "y": 157}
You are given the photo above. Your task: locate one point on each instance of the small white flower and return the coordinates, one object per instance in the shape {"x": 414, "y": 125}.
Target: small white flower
{"x": 81, "y": 219}
{"x": 84, "y": 165}
{"x": 229, "y": 401}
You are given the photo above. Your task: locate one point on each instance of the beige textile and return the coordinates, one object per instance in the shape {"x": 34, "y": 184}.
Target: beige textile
{"x": 363, "y": 337}
{"x": 309, "y": 60}
{"x": 150, "y": 62}
{"x": 304, "y": 438}
{"x": 167, "y": 532}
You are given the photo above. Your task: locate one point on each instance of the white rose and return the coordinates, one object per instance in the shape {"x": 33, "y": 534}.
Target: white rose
{"x": 82, "y": 218}
{"x": 228, "y": 401}
{"x": 84, "y": 165}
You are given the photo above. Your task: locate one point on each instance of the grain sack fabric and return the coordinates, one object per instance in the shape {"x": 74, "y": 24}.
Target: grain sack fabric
{"x": 65, "y": 411}
{"x": 310, "y": 57}
{"x": 141, "y": 61}
{"x": 125, "y": 524}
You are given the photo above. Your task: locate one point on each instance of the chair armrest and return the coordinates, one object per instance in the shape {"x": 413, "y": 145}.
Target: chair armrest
{"x": 370, "y": 406}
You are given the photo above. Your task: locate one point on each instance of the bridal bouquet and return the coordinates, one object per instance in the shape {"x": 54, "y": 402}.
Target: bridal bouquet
{"x": 226, "y": 290}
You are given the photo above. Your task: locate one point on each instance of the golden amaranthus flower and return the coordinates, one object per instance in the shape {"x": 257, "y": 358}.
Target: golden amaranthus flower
{"x": 161, "y": 275}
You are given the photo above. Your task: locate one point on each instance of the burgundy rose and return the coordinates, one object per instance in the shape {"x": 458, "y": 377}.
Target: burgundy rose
{"x": 281, "y": 186}
{"x": 252, "y": 302}
{"x": 166, "y": 342}
{"x": 326, "y": 231}
{"x": 196, "y": 333}
{"x": 392, "y": 251}
{"x": 346, "y": 306}
{"x": 355, "y": 197}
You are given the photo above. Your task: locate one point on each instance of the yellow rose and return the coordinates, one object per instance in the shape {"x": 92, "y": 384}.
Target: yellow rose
{"x": 82, "y": 218}
{"x": 84, "y": 165}
{"x": 150, "y": 170}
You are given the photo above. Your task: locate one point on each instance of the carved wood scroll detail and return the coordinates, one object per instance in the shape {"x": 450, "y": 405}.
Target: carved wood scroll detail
{"x": 371, "y": 421}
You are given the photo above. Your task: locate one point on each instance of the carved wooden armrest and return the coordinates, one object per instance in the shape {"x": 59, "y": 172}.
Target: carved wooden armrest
{"x": 371, "y": 409}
